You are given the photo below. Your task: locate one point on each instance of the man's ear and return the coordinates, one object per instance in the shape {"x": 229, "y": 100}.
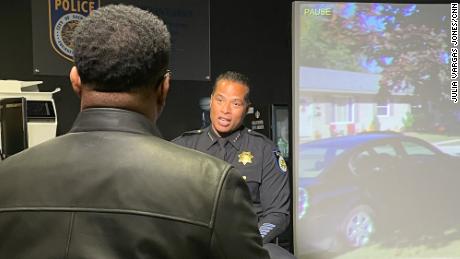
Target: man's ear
{"x": 162, "y": 91}
{"x": 75, "y": 81}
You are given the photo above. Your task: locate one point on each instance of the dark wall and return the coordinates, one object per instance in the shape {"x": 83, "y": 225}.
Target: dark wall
{"x": 16, "y": 59}
{"x": 251, "y": 37}
{"x": 246, "y": 36}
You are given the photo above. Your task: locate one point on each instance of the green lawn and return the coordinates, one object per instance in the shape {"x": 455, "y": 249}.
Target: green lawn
{"x": 449, "y": 251}
{"x": 432, "y": 137}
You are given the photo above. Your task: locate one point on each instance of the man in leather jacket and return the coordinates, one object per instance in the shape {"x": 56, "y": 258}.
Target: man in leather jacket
{"x": 111, "y": 187}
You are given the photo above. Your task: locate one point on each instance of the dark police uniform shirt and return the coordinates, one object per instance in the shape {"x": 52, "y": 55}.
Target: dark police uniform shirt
{"x": 261, "y": 165}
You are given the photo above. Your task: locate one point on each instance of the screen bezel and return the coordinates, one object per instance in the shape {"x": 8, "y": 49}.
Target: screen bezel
{"x": 8, "y": 146}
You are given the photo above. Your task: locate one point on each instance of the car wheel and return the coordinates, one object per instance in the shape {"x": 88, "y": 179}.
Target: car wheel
{"x": 358, "y": 227}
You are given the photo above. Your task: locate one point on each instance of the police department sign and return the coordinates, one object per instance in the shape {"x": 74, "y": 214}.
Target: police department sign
{"x": 64, "y": 16}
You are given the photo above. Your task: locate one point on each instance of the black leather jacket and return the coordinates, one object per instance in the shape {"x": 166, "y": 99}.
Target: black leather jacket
{"x": 109, "y": 189}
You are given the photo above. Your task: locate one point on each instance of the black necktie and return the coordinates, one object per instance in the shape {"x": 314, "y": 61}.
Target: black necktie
{"x": 222, "y": 151}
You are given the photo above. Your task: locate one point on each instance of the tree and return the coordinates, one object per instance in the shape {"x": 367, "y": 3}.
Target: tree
{"x": 397, "y": 41}
{"x": 406, "y": 44}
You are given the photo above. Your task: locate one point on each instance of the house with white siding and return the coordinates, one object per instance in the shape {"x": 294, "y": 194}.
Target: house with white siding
{"x": 334, "y": 103}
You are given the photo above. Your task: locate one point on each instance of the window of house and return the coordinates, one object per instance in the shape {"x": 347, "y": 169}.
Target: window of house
{"x": 383, "y": 109}
{"x": 343, "y": 110}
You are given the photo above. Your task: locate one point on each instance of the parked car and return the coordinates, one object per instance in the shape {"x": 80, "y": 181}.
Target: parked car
{"x": 354, "y": 190}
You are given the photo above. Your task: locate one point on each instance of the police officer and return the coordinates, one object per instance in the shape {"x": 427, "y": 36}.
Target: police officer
{"x": 253, "y": 154}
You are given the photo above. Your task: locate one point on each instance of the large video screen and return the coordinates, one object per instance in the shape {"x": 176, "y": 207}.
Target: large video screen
{"x": 376, "y": 131}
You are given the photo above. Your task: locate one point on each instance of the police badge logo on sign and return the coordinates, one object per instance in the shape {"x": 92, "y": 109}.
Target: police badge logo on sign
{"x": 64, "y": 16}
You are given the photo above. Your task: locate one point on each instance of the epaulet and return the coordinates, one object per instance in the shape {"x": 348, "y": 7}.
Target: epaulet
{"x": 258, "y": 134}
{"x": 192, "y": 132}
{"x": 187, "y": 134}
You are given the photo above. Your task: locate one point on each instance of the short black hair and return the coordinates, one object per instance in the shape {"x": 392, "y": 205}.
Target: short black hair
{"x": 120, "y": 48}
{"x": 234, "y": 77}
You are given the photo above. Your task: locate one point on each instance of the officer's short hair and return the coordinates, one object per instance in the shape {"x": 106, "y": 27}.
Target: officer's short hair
{"x": 121, "y": 48}
{"x": 234, "y": 77}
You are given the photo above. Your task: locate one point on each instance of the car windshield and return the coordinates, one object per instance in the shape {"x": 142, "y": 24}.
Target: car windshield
{"x": 314, "y": 160}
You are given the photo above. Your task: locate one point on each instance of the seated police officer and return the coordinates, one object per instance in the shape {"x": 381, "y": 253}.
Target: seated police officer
{"x": 257, "y": 158}
{"x": 111, "y": 188}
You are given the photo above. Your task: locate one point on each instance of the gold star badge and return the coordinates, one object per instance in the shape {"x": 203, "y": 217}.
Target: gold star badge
{"x": 245, "y": 157}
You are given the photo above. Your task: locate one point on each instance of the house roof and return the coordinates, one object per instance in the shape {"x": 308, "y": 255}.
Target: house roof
{"x": 338, "y": 81}
{"x": 351, "y": 141}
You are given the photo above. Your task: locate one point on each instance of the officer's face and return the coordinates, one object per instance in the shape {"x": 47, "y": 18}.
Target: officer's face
{"x": 228, "y": 107}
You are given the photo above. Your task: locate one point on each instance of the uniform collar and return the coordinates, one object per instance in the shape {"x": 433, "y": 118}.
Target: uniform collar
{"x": 113, "y": 119}
{"x": 234, "y": 138}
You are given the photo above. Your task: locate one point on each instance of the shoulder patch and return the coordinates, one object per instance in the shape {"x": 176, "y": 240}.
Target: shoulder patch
{"x": 280, "y": 161}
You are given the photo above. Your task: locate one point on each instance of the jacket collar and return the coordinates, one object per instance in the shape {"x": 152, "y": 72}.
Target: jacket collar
{"x": 113, "y": 119}
{"x": 234, "y": 138}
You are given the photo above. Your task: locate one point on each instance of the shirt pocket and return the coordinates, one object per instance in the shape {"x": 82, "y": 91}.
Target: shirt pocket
{"x": 251, "y": 174}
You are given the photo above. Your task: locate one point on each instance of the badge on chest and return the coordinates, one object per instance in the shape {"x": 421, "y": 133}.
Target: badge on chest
{"x": 245, "y": 157}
